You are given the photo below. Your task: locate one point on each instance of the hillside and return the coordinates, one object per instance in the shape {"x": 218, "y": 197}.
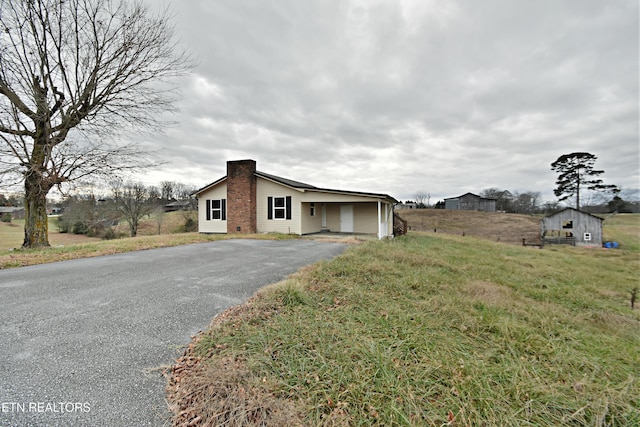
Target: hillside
{"x": 495, "y": 226}
{"x": 429, "y": 330}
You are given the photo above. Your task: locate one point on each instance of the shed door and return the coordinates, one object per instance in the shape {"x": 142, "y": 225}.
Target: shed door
{"x": 346, "y": 218}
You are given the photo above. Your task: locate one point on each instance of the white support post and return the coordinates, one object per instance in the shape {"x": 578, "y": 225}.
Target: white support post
{"x": 379, "y": 220}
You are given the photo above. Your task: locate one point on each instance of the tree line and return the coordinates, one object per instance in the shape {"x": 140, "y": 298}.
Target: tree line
{"x": 578, "y": 183}
{"x": 530, "y": 202}
{"x": 98, "y": 215}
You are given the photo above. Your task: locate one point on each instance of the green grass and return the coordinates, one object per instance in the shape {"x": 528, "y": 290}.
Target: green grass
{"x": 430, "y": 330}
{"x": 11, "y": 234}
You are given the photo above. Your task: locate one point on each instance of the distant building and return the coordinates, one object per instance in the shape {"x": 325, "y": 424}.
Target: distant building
{"x": 572, "y": 227}
{"x": 14, "y": 211}
{"x": 470, "y": 202}
{"x": 180, "y": 205}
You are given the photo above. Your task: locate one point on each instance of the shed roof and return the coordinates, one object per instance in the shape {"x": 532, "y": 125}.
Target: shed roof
{"x": 469, "y": 194}
{"x": 575, "y": 210}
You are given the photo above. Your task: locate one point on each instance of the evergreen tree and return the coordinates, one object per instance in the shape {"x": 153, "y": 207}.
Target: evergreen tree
{"x": 576, "y": 173}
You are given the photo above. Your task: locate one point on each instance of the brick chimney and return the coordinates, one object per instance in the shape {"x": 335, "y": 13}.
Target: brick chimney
{"x": 241, "y": 196}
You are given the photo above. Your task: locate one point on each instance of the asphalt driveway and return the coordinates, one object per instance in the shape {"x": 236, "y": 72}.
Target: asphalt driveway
{"x": 84, "y": 342}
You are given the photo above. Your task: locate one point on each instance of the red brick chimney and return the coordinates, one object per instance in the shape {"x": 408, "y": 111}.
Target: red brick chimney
{"x": 241, "y": 196}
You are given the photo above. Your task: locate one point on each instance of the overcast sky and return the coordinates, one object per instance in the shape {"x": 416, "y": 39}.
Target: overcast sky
{"x": 401, "y": 96}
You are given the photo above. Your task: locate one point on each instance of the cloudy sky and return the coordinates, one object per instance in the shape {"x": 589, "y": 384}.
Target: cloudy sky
{"x": 406, "y": 96}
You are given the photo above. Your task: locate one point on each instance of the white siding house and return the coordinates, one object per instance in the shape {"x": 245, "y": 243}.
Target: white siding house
{"x": 249, "y": 201}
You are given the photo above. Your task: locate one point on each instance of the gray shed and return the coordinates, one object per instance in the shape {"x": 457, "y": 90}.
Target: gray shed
{"x": 573, "y": 227}
{"x": 470, "y": 202}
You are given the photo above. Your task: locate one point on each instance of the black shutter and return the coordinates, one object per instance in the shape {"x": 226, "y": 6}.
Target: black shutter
{"x": 269, "y": 207}
{"x": 288, "y": 207}
{"x": 208, "y": 210}
{"x": 224, "y": 209}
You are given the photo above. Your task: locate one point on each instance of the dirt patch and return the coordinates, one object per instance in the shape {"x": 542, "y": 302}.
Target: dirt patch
{"x": 496, "y": 226}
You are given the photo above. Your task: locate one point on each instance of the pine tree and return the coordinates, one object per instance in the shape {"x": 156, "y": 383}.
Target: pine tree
{"x": 577, "y": 173}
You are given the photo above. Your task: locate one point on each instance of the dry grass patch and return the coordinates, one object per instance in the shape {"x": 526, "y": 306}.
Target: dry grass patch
{"x": 495, "y": 226}
{"x": 216, "y": 391}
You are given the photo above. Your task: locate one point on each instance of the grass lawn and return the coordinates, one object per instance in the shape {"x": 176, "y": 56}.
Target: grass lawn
{"x": 429, "y": 330}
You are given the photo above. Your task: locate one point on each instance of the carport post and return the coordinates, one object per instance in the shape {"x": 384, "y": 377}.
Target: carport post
{"x": 379, "y": 220}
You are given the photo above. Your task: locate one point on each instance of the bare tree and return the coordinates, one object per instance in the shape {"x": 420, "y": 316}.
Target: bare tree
{"x": 132, "y": 202}
{"x": 504, "y": 198}
{"x": 526, "y": 203}
{"x": 166, "y": 190}
{"x": 420, "y": 197}
{"x": 74, "y": 74}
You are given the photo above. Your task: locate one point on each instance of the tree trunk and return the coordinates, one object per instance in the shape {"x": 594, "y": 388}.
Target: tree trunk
{"x": 133, "y": 228}
{"x": 36, "y": 225}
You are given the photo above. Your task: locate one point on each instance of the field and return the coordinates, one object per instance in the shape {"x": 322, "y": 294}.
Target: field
{"x": 12, "y": 234}
{"x": 430, "y": 329}
{"x": 499, "y": 227}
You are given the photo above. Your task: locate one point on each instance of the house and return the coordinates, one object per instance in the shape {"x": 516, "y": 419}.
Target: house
{"x": 14, "y": 211}
{"x": 573, "y": 227}
{"x": 178, "y": 205}
{"x": 470, "y": 202}
{"x": 249, "y": 201}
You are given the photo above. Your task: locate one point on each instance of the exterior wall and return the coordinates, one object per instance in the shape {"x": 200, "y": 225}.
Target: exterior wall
{"x": 470, "y": 202}
{"x": 311, "y": 224}
{"x": 573, "y": 223}
{"x": 267, "y": 189}
{"x": 365, "y": 218}
{"x": 211, "y": 226}
{"x": 241, "y": 196}
{"x": 333, "y": 217}
{"x": 452, "y": 204}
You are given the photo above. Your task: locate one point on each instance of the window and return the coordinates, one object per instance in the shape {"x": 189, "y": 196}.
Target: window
{"x": 312, "y": 209}
{"x": 567, "y": 224}
{"x": 217, "y": 210}
{"x": 587, "y": 237}
{"x": 279, "y": 207}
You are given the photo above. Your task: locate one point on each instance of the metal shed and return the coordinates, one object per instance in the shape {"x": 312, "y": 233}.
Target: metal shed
{"x": 470, "y": 202}
{"x": 573, "y": 227}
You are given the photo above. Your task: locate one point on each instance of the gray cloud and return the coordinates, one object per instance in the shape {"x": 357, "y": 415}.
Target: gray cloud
{"x": 401, "y": 96}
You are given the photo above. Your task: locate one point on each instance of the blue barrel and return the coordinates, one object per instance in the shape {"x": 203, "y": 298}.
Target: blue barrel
{"x": 607, "y": 245}
{"x": 614, "y": 245}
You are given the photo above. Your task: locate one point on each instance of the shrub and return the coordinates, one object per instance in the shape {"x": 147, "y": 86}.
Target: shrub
{"x": 79, "y": 228}
{"x": 6, "y": 217}
{"x": 190, "y": 225}
{"x": 108, "y": 234}
{"x": 64, "y": 226}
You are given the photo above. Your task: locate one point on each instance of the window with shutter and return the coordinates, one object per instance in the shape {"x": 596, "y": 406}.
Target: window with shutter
{"x": 279, "y": 207}
{"x": 216, "y": 210}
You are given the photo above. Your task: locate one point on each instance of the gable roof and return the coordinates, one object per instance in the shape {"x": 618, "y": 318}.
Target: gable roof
{"x": 300, "y": 186}
{"x": 575, "y": 210}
